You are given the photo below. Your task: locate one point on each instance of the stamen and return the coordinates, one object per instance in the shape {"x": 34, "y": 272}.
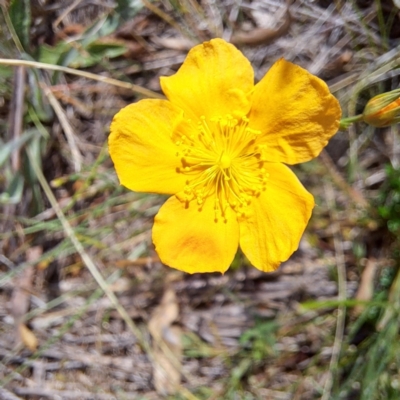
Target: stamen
{"x": 223, "y": 162}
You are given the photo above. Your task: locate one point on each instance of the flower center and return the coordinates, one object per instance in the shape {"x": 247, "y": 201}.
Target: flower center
{"x": 223, "y": 162}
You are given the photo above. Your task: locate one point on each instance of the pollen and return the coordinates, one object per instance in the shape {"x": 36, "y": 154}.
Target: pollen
{"x": 223, "y": 163}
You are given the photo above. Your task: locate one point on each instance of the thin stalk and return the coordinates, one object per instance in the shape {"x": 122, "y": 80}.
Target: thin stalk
{"x": 346, "y": 122}
{"x": 85, "y": 74}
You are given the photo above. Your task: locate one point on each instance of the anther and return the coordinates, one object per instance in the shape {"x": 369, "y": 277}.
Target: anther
{"x": 223, "y": 162}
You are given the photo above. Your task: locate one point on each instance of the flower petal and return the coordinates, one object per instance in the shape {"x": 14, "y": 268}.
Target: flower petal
{"x": 272, "y": 231}
{"x": 141, "y": 147}
{"x": 190, "y": 240}
{"x": 295, "y": 113}
{"x": 214, "y": 80}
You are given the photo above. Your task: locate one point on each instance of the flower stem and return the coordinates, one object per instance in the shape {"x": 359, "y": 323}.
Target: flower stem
{"x": 346, "y": 122}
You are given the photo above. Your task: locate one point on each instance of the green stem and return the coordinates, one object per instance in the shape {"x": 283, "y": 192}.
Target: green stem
{"x": 346, "y": 122}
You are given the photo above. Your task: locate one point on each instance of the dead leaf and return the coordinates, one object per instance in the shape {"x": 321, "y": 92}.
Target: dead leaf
{"x": 263, "y": 35}
{"x": 338, "y": 65}
{"x": 366, "y": 289}
{"x": 20, "y": 299}
{"x": 174, "y": 43}
{"x": 28, "y": 338}
{"x": 23, "y": 284}
{"x": 166, "y": 374}
{"x": 167, "y": 348}
{"x": 164, "y": 315}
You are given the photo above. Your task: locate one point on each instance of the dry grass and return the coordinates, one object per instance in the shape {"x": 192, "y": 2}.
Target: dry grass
{"x": 83, "y": 296}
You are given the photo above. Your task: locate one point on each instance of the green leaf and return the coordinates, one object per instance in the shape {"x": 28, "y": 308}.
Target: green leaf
{"x": 320, "y": 304}
{"x": 7, "y": 149}
{"x": 52, "y": 54}
{"x": 6, "y": 72}
{"x": 127, "y": 9}
{"x": 13, "y": 193}
{"x": 98, "y": 30}
{"x": 37, "y": 98}
{"x": 64, "y": 54}
{"x": 109, "y": 50}
{"x": 93, "y": 54}
{"x": 20, "y": 16}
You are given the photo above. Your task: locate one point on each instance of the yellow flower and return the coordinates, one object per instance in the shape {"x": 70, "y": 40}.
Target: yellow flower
{"x": 218, "y": 145}
{"x": 383, "y": 110}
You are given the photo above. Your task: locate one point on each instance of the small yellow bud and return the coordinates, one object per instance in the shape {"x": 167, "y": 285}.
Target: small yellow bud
{"x": 383, "y": 110}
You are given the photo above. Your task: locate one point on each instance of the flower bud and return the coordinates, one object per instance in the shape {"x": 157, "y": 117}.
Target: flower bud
{"x": 383, "y": 110}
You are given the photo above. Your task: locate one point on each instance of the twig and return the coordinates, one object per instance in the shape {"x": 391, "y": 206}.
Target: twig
{"x": 263, "y": 35}
{"x": 62, "y": 394}
{"x": 232, "y": 19}
{"x": 17, "y": 114}
{"x": 15, "y": 126}
{"x": 88, "y": 75}
{"x": 66, "y": 126}
{"x": 8, "y": 263}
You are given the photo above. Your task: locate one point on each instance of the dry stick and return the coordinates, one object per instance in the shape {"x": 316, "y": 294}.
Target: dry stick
{"x": 63, "y": 394}
{"x": 89, "y": 75}
{"x": 16, "y": 114}
{"x": 263, "y": 35}
{"x": 232, "y": 19}
{"x": 76, "y": 155}
{"x": 96, "y": 273}
{"x": 342, "y": 283}
{"x": 15, "y": 127}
